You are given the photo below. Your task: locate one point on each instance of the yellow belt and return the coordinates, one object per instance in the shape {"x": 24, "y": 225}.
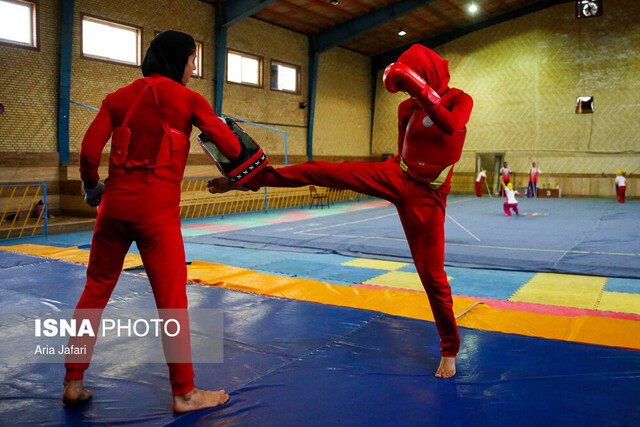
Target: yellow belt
{"x": 435, "y": 184}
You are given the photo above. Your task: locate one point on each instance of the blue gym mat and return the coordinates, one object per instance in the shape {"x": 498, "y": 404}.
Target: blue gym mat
{"x": 290, "y": 362}
{"x": 579, "y": 236}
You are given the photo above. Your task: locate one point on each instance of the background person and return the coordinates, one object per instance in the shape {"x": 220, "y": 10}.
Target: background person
{"x": 532, "y": 188}
{"x": 481, "y": 176}
{"x": 512, "y": 202}
{"x": 505, "y": 177}
{"x": 621, "y": 183}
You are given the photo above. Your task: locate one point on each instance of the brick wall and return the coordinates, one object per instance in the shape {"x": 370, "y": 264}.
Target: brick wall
{"x": 525, "y": 76}
{"x": 342, "y": 125}
{"x": 92, "y": 80}
{"x": 29, "y": 88}
{"x": 262, "y": 105}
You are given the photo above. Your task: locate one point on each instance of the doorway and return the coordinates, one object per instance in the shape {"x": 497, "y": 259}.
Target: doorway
{"x": 491, "y": 162}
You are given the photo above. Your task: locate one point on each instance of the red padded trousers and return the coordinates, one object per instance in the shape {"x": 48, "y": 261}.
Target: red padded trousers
{"x": 421, "y": 210}
{"x": 162, "y": 251}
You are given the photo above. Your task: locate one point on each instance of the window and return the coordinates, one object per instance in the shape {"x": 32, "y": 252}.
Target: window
{"x": 18, "y": 23}
{"x": 110, "y": 41}
{"x": 244, "y": 68}
{"x": 285, "y": 77}
{"x": 198, "y": 71}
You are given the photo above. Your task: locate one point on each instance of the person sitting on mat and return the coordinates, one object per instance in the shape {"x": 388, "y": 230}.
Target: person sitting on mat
{"x": 511, "y": 202}
{"x": 150, "y": 120}
{"x": 431, "y": 134}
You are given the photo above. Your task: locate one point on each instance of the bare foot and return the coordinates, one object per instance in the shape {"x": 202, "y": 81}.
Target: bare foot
{"x": 74, "y": 392}
{"x": 198, "y": 399}
{"x": 222, "y": 185}
{"x": 447, "y": 367}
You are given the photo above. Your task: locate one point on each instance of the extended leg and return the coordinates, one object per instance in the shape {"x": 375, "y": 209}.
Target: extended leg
{"x": 370, "y": 178}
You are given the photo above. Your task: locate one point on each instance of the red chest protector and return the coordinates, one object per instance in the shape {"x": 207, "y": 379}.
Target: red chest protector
{"x": 167, "y": 161}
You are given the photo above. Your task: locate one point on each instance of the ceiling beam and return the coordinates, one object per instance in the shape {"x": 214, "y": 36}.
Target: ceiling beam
{"x": 443, "y": 17}
{"x": 299, "y": 25}
{"x": 358, "y": 5}
{"x": 346, "y": 31}
{"x": 236, "y": 10}
{"x": 424, "y": 22}
{"x": 382, "y": 60}
{"x": 332, "y": 9}
{"x": 309, "y": 13}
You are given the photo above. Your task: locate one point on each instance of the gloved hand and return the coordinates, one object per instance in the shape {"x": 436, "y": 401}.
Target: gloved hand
{"x": 93, "y": 196}
{"x": 401, "y": 77}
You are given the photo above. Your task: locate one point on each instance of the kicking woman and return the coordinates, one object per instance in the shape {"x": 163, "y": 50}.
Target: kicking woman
{"x": 432, "y": 129}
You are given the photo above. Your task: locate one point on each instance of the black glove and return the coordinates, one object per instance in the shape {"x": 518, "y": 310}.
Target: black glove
{"x": 93, "y": 196}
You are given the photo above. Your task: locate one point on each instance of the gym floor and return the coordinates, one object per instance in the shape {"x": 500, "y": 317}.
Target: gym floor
{"x": 326, "y": 323}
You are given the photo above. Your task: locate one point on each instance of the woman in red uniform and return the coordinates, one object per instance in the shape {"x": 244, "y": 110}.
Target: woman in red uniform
{"x": 432, "y": 129}
{"x": 150, "y": 120}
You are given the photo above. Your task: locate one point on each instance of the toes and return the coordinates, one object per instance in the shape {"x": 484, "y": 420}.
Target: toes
{"x": 222, "y": 397}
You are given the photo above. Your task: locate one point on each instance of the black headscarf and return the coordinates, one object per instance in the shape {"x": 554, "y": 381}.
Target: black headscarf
{"x": 168, "y": 54}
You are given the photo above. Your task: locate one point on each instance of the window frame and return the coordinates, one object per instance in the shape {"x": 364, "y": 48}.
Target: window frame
{"x": 298, "y": 69}
{"x": 199, "y": 52}
{"x": 113, "y": 23}
{"x": 260, "y": 60}
{"x": 35, "y": 26}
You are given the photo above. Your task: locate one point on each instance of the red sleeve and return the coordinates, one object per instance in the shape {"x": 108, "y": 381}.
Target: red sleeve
{"x": 93, "y": 143}
{"x": 206, "y": 120}
{"x": 404, "y": 113}
{"x": 453, "y": 121}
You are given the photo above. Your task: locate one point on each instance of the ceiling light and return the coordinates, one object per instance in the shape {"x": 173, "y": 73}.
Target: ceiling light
{"x": 402, "y": 32}
{"x": 334, "y": 2}
{"x": 473, "y": 8}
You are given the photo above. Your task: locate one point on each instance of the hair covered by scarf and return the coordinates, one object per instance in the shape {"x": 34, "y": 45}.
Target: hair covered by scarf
{"x": 168, "y": 55}
{"x": 429, "y": 65}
